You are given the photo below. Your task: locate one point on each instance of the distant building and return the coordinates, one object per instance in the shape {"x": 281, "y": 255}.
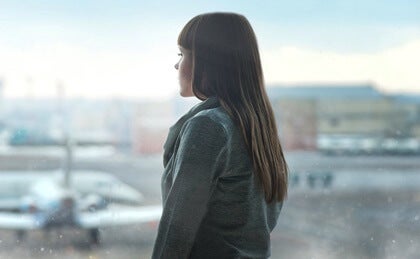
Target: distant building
{"x": 296, "y": 122}
{"x": 306, "y": 112}
{"x": 151, "y": 123}
{"x": 410, "y": 105}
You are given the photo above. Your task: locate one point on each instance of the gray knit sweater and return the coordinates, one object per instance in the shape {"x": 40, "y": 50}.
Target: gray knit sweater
{"x": 213, "y": 204}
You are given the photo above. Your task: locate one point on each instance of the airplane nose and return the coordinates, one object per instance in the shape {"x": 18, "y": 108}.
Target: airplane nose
{"x": 33, "y": 208}
{"x": 67, "y": 202}
{"x": 62, "y": 214}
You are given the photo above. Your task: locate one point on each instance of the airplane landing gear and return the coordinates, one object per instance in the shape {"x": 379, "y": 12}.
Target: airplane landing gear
{"x": 20, "y": 236}
{"x": 94, "y": 236}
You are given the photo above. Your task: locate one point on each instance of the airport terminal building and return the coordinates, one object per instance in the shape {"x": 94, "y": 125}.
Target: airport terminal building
{"x": 346, "y": 118}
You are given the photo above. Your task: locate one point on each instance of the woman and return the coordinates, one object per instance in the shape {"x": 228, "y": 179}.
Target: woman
{"x": 225, "y": 174}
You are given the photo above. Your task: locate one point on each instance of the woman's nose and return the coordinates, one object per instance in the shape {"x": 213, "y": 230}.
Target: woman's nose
{"x": 176, "y": 66}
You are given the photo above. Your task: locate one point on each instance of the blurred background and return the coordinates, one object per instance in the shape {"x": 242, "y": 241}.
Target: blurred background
{"x": 342, "y": 77}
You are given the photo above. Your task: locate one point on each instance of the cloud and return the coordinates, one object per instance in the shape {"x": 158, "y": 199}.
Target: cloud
{"x": 393, "y": 69}
{"x": 87, "y": 72}
{"x": 149, "y": 72}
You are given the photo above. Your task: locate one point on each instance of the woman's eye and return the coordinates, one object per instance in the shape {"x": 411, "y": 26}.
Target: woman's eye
{"x": 180, "y": 54}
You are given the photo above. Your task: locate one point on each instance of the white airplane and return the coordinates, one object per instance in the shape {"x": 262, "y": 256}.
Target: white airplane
{"x": 83, "y": 199}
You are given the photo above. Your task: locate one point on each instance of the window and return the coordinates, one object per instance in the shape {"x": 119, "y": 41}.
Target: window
{"x": 88, "y": 90}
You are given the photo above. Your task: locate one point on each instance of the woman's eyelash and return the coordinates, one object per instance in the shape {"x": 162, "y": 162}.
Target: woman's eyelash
{"x": 180, "y": 54}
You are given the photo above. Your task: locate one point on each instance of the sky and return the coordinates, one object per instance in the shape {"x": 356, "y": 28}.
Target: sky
{"x": 128, "y": 48}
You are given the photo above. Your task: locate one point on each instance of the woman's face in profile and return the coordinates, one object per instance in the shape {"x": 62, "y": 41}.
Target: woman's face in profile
{"x": 184, "y": 67}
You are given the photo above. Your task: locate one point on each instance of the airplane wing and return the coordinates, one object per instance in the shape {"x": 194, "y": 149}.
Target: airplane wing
{"x": 13, "y": 186}
{"x": 17, "y": 221}
{"x": 121, "y": 215}
{"x": 10, "y": 204}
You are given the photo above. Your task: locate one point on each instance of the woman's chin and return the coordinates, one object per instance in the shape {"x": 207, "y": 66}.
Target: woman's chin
{"x": 184, "y": 94}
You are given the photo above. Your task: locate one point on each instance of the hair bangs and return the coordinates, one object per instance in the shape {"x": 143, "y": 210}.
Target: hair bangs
{"x": 186, "y": 36}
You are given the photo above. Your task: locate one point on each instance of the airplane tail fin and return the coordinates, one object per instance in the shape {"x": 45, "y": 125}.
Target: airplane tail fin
{"x": 68, "y": 161}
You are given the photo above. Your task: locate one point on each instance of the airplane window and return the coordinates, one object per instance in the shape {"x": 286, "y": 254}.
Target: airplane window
{"x": 88, "y": 92}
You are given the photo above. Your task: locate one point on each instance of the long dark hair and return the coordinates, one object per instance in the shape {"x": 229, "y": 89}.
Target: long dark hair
{"x": 226, "y": 64}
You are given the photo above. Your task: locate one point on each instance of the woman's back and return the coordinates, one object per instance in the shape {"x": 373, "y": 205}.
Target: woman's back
{"x": 239, "y": 221}
{"x": 225, "y": 215}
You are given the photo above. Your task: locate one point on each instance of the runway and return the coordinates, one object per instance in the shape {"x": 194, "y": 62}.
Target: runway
{"x": 316, "y": 222}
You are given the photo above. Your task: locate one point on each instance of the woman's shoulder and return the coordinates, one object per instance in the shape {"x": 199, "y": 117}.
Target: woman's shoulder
{"x": 209, "y": 123}
{"x": 217, "y": 116}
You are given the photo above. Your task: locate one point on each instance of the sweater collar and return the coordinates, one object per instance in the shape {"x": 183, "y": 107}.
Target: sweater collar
{"x": 209, "y": 103}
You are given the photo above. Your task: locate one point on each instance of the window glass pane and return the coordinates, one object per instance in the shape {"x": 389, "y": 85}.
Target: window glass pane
{"x": 88, "y": 91}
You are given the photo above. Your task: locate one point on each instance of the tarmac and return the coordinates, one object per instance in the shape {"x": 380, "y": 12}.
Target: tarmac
{"x": 317, "y": 221}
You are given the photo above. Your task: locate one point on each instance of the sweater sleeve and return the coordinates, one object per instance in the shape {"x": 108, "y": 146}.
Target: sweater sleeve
{"x": 198, "y": 160}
